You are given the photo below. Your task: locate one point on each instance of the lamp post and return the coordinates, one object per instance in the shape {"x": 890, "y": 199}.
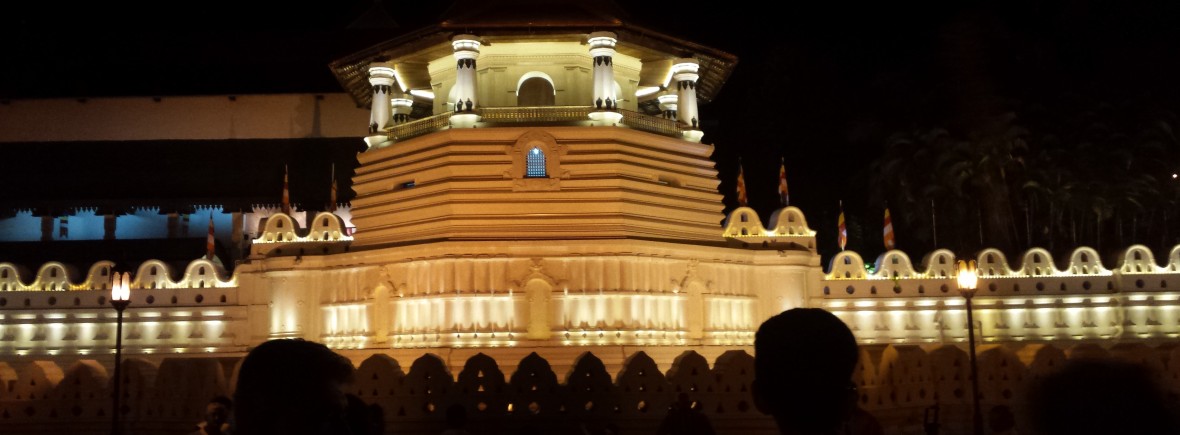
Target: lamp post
{"x": 120, "y": 299}
{"x": 967, "y": 281}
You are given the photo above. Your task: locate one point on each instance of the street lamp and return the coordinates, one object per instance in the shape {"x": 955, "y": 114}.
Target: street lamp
{"x": 120, "y": 299}
{"x": 967, "y": 280}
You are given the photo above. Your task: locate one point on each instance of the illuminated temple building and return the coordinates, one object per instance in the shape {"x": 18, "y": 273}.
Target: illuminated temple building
{"x": 521, "y": 189}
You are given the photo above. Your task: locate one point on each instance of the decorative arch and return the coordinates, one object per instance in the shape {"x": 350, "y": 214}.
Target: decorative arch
{"x": 939, "y": 264}
{"x": 7, "y": 377}
{"x": 846, "y": 265}
{"x": 153, "y": 274}
{"x": 280, "y": 227}
{"x": 53, "y": 276}
{"x": 85, "y": 379}
{"x": 202, "y": 273}
{"x": 1174, "y": 259}
{"x": 789, "y": 221}
{"x": 1138, "y": 259}
{"x": 326, "y": 227}
{"x": 695, "y": 317}
{"x": 690, "y": 374}
{"x": 379, "y": 320}
{"x": 534, "y": 385}
{"x": 991, "y": 262}
{"x": 382, "y": 375}
{"x": 99, "y": 276}
{"x": 894, "y": 264}
{"x": 37, "y": 379}
{"x": 552, "y": 151}
{"x": 744, "y": 222}
{"x": 11, "y": 277}
{"x": 1085, "y": 261}
{"x": 538, "y": 289}
{"x": 1038, "y": 262}
{"x": 536, "y": 88}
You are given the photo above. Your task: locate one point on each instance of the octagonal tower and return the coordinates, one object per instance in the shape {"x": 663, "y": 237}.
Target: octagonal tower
{"x": 535, "y": 123}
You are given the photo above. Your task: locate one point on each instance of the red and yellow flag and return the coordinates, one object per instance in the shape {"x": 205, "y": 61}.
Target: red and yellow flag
{"x": 286, "y": 193}
{"x": 843, "y": 228}
{"x": 889, "y": 242}
{"x": 209, "y": 240}
{"x": 783, "y": 195}
{"x": 332, "y": 193}
{"x": 741, "y": 186}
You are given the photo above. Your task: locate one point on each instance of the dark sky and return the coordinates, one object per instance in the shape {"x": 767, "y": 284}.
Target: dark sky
{"x": 824, "y": 83}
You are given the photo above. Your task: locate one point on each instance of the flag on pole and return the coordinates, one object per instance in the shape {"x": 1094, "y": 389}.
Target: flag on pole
{"x": 209, "y": 240}
{"x": 843, "y": 228}
{"x": 889, "y": 242}
{"x": 741, "y": 186}
{"x": 783, "y": 194}
{"x": 63, "y": 230}
{"x": 332, "y": 193}
{"x": 286, "y": 193}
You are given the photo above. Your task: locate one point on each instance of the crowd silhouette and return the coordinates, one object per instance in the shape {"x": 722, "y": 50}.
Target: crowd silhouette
{"x": 803, "y": 378}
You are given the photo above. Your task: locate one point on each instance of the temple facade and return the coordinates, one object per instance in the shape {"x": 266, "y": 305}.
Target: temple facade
{"x": 544, "y": 190}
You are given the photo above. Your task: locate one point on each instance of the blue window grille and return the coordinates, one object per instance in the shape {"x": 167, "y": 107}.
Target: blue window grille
{"x": 535, "y": 164}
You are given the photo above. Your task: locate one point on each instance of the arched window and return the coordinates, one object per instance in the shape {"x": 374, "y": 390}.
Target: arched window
{"x": 535, "y": 164}
{"x": 535, "y": 89}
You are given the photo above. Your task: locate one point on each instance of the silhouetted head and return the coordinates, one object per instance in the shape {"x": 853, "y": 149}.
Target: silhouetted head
{"x": 363, "y": 418}
{"x": 803, "y": 363}
{"x": 456, "y": 416}
{"x": 1101, "y": 397}
{"x": 1000, "y": 418}
{"x": 292, "y": 387}
{"x": 217, "y": 413}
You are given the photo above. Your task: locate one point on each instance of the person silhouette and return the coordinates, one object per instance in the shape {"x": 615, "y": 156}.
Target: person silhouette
{"x": 216, "y": 421}
{"x": 803, "y": 364}
{"x": 1091, "y": 396}
{"x": 456, "y": 420}
{"x": 683, "y": 419}
{"x": 292, "y": 387}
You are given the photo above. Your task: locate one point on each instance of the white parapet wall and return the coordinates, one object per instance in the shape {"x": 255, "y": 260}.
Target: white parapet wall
{"x": 1037, "y": 301}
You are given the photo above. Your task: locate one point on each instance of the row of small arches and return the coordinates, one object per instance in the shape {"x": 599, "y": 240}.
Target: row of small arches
{"x": 1139, "y": 284}
{"x": 281, "y": 227}
{"x": 787, "y": 221}
{"x": 151, "y": 274}
{"x": 992, "y": 263}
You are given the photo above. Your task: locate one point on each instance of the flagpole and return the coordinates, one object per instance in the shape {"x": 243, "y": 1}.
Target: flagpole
{"x": 934, "y": 223}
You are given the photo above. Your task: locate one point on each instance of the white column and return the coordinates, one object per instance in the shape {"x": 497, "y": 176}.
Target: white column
{"x": 602, "y": 49}
{"x": 684, "y": 72}
{"x": 668, "y": 103}
{"x": 466, "y": 52}
{"x": 402, "y": 105}
{"x": 381, "y": 78}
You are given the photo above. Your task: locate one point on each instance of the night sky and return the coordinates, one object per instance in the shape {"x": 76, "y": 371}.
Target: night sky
{"x": 825, "y": 85}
